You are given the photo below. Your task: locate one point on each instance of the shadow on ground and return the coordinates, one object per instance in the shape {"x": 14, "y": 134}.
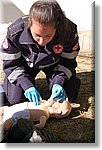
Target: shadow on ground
{"x": 79, "y": 126}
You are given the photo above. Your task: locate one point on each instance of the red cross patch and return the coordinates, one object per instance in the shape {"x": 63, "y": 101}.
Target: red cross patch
{"x": 58, "y": 48}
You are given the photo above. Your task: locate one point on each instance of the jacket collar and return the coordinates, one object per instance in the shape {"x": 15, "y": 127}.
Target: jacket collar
{"x": 26, "y": 37}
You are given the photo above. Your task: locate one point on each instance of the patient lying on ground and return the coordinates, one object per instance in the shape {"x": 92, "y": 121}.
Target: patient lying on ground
{"x": 27, "y": 110}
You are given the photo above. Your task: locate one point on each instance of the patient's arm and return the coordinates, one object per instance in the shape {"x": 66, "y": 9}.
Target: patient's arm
{"x": 7, "y": 125}
{"x": 42, "y": 122}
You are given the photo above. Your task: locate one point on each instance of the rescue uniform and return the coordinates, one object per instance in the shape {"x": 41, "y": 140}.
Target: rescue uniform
{"x": 23, "y": 58}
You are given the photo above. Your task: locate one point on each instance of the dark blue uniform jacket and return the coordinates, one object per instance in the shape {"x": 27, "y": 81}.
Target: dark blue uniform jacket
{"x": 22, "y": 55}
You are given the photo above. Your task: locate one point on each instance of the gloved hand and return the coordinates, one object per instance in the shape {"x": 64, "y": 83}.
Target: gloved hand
{"x": 33, "y": 95}
{"x": 58, "y": 93}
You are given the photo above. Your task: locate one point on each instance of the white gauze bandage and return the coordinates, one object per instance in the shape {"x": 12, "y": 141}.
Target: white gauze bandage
{"x": 16, "y": 112}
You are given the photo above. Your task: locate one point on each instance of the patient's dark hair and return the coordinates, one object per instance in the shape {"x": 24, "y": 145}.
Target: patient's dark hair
{"x": 50, "y": 12}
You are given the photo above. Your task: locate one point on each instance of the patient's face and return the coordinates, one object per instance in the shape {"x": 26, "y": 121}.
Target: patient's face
{"x": 61, "y": 109}
{"x": 57, "y": 108}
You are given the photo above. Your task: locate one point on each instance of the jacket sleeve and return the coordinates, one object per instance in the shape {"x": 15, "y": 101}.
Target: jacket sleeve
{"x": 67, "y": 63}
{"x": 13, "y": 64}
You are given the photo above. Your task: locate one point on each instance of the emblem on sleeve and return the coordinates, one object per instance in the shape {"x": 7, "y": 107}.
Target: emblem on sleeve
{"x": 58, "y": 49}
{"x": 5, "y": 43}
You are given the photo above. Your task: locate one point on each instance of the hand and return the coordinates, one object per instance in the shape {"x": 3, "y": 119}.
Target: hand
{"x": 58, "y": 93}
{"x": 33, "y": 95}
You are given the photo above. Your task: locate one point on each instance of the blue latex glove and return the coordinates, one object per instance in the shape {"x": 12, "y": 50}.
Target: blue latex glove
{"x": 58, "y": 93}
{"x": 33, "y": 95}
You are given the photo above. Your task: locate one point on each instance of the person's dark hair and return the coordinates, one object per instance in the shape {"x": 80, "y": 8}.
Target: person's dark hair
{"x": 50, "y": 12}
